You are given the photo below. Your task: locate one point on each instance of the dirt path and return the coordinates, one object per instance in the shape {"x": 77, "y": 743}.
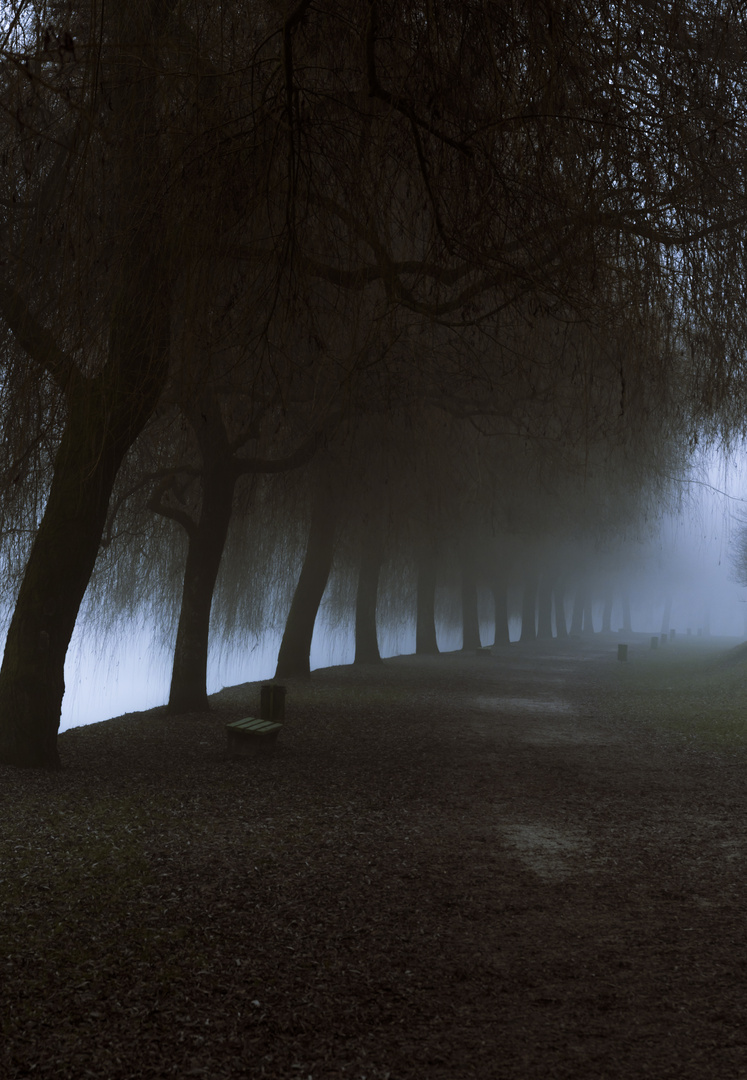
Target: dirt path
{"x": 488, "y": 867}
{"x": 618, "y": 938}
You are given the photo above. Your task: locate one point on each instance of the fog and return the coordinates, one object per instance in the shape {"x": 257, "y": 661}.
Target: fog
{"x": 685, "y": 556}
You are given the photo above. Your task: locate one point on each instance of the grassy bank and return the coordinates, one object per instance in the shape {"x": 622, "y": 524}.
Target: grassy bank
{"x": 691, "y": 689}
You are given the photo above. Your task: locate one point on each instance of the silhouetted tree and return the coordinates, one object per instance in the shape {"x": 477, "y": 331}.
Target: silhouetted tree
{"x": 295, "y": 648}
{"x": 517, "y": 191}
{"x": 529, "y": 607}
{"x": 470, "y": 620}
{"x": 366, "y": 640}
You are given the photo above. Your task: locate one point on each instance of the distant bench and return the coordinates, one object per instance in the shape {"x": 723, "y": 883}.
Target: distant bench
{"x": 247, "y": 736}
{"x": 251, "y": 734}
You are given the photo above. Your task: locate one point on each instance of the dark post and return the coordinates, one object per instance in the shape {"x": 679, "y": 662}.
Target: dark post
{"x": 272, "y": 703}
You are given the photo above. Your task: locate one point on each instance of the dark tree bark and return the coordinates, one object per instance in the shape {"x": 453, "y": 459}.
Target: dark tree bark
{"x": 207, "y": 539}
{"x": 426, "y": 642}
{"x": 470, "y": 617}
{"x": 366, "y": 641}
{"x": 221, "y": 469}
{"x": 105, "y": 415}
{"x": 295, "y": 648}
{"x": 561, "y": 627}
{"x": 544, "y": 608}
{"x": 499, "y": 588}
{"x": 529, "y": 609}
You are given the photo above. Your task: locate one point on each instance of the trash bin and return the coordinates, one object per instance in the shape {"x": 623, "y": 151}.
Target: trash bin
{"x": 272, "y": 702}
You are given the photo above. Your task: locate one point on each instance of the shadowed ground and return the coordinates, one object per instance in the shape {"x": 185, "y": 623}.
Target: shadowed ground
{"x": 529, "y": 864}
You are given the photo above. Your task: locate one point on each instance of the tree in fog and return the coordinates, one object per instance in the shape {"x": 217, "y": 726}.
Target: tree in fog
{"x": 113, "y": 167}
{"x": 571, "y": 165}
{"x": 95, "y": 328}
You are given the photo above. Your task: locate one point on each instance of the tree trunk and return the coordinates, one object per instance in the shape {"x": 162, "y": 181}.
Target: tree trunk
{"x": 577, "y": 618}
{"x": 207, "y": 539}
{"x": 607, "y": 612}
{"x": 470, "y": 617}
{"x": 667, "y": 615}
{"x": 529, "y": 609}
{"x": 32, "y": 681}
{"x": 544, "y": 608}
{"x": 561, "y": 627}
{"x": 106, "y": 413}
{"x": 425, "y": 632}
{"x": 499, "y": 588}
{"x": 588, "y": 625}
{"x": 625, "y": 597}
{"x": 295, "y": 648}
{"x": 366, "y": 641}
{"x": 105, "y": 417}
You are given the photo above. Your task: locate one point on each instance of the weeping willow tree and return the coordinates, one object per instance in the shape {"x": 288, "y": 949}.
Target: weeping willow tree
{"x": 97, "y": 329}
{"x": 461, "y": 159}
{"x": 118, "y": 191}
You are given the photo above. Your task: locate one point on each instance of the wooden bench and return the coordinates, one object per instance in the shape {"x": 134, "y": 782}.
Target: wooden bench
{"x": 247, "y": 736}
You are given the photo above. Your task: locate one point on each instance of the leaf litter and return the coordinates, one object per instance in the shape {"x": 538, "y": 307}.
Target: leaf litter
{"x": 409, "y": 886}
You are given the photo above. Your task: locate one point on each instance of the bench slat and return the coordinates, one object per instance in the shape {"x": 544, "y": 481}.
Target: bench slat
{"x": 254, "y": 725}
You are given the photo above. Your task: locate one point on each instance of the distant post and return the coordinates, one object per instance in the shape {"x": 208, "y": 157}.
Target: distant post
{"x": 622, "y": 652}
{"x": 655, "y": 642}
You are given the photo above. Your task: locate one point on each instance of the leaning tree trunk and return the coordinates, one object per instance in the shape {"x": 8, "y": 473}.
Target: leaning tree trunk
{"x": 32, "y": 682}
{"x": 499, "y": 589}
{"x": 207, "y": 539}
{"x": 426, "y": 642}
{"x": 105, "y": 416}
{"x": 106, "y": 412}
{"x": 544, "y": 608}
{"x": 529, "y": 609}
{"x": 295, "y": 648}
{"x": 470, "y": 617}
{"x": 366, "y": 642}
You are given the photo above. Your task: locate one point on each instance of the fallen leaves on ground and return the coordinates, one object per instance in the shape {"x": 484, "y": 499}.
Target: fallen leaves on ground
{"x": 418, "y": 882}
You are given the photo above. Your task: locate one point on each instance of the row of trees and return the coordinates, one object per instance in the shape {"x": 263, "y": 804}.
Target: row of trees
{"x": 423, "y": 274}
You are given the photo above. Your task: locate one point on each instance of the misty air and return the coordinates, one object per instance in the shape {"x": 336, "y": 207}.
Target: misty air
{"x": 373, "y": 533}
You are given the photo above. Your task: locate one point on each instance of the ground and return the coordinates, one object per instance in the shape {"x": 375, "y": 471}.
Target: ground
{"x": 523, "y": 864}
